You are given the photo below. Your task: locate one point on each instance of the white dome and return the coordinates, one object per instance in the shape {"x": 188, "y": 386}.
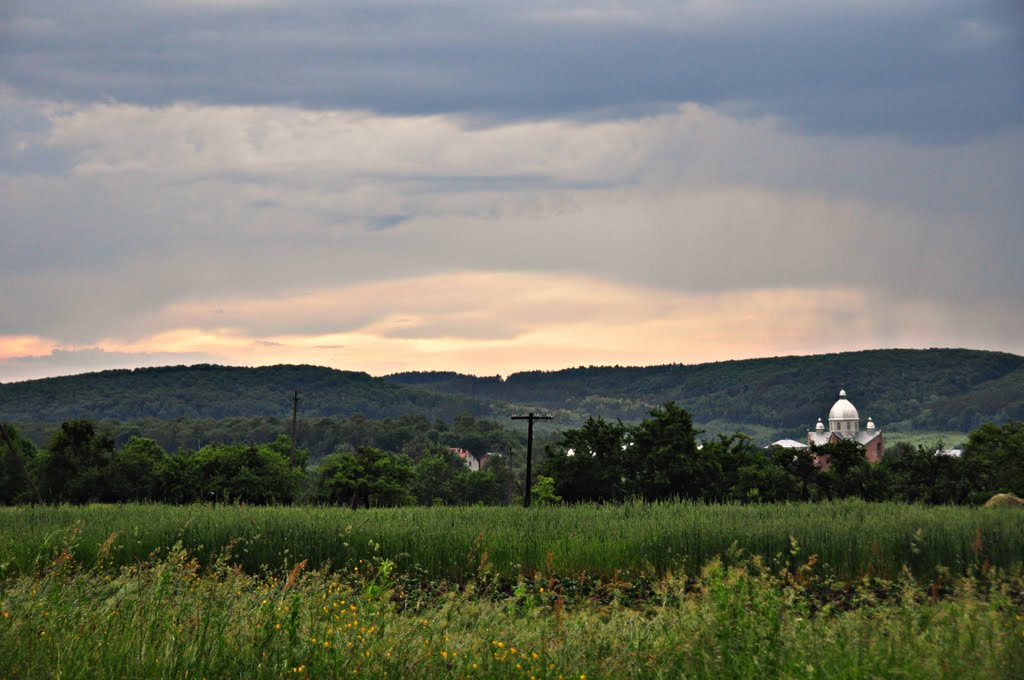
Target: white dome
{"x": 843, "y": 409}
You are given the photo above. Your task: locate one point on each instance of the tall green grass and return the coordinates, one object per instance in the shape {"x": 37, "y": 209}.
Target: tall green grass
{"x": 170, "y": 618}
{"x": 850, "y": 538}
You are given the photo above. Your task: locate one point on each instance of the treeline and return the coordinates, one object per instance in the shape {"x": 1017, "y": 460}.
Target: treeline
{"x": 661, "y": 458}
{"x": 81, "y": 463}
{"x": 905, "y": 390}
{"x": 318, "y": 436}
{"x": 936, "y": 389}
{"x": 602, "y": 461}
{"x": 219, "y": 392}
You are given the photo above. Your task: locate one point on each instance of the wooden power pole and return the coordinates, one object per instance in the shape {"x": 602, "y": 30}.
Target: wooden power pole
{"x": 530, "y": 417}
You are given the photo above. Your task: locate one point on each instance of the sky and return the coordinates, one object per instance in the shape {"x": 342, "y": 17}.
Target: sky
{"x": 490, "y": 187}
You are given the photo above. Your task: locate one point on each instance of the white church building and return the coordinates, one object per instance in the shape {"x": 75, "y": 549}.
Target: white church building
{"x": 844, "y": 423}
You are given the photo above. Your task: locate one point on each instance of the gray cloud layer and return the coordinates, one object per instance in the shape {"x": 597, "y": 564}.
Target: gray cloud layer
{"x": 160, "y": 159}
{"x": 931, "y": 70}
{"x": 184, "y": 202}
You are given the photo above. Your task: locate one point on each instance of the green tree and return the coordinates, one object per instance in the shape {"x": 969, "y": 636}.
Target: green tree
{"x": 438, "y": 474}
{"x": 664, "y": 460}
{"x": 791, "y": 475}
{"x": 764, "y": 480}
{"x": 994, "y": 458}
{"x": 177, "y": 479}
{"x": 73, "y": 466}
{"x": 479, "y": 437}
{"x": 484, "y": 487}
{"x": 748, "y": 472}
{"x": 133, "y": 471}
{"x": 920, "y": 475}
{"x": 544, "y": 491}
{"x": 499, "y": 483}
{"x": 801, "y": 464}
{"x": 588, "y": 464}
{"x": 336, "y": 478}
{"x": 656, "y": 459}
{"x": 370, "y": 477}
{"x": 850, "y": 474}
{"x": 244, "y": 473}
{"x": 282, "y": 445}
{"x": 17, "y": 457}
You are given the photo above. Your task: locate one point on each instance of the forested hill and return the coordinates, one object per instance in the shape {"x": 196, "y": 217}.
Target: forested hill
{"x": 206, "y": 391}
{"x": 949, "y": 389}
{"x": 935, "y": 389}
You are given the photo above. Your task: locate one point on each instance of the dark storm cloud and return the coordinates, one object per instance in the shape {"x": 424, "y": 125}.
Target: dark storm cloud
{"x": 930, "y": 70}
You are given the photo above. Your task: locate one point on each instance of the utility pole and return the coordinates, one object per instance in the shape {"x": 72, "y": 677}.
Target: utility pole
{"x": 295, "y": 422}
{"x": 529, "y": 453}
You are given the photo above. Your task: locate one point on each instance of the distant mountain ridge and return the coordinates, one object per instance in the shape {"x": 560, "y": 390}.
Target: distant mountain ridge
{"x": 948, "y": 389}
{"x": 954, "y": 389}
{"x": 210, "y": 391}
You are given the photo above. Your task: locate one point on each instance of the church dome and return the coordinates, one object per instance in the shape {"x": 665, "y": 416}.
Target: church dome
{"x": 843, "y": 409}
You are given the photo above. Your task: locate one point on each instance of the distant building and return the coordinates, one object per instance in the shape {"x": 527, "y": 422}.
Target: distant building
{"x": 787, "y": 444}
{"x": 844, "y": 423}
{"x": 471, "y": 461}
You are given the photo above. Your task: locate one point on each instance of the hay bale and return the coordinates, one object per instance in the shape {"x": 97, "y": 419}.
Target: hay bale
{"x": 1004, "y": 500}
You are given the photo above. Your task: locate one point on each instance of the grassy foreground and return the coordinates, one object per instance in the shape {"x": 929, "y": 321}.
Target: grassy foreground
{"x": 850, "y": 538}
{"x": 844, "y": 590}
{"x": 170, "y": 617}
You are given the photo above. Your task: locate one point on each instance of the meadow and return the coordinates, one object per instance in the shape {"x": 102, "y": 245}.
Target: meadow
{"x": 850, "y": 538}
{"x": 848, "y": 590}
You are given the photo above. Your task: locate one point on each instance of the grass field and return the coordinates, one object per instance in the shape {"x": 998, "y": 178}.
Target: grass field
{"x": 947, "y": 439}
{"x": 171, "y": 618}
{"x": 850, "y": 538}
{"x": 634, "y": 591}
